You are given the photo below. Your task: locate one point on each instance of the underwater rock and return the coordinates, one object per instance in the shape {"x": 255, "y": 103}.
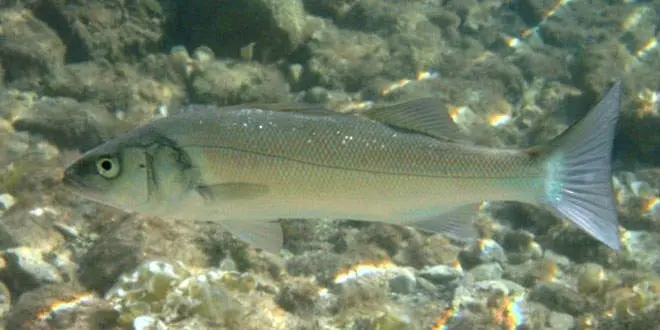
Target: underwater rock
{"x": 591, "y": 279}
{"x": 299, "y": 296}
{"x": 486, "y": 272}
{"x": 116, "y": 31}
{"x": 127, "y": 241}
{"x": 558, "y": 321}
{"x": 29, "y": 226}
{"x": 5, "y": 301}
{"x": 28, "y": 47}
{"x": 128, "y": 94}
{"x": 405, "y": 283}
{"x": 226, "y": 83}
{"x": 483, "y": 251}
{"x": 441, "y": 274}
{"x": 63, "y": 121}
{"x": 322, "y": 264}
{"x": 429, "y": 250}
{"x": 561, "y": 298}
{"x": 537, "y": 64}
{"x": 60, "y": 306}
{"x": 596, "y": 64}
{"x": 119, "y": 249}
{"x": 638, "y": 141}
{"x": 6, "y": 202}
{"x": 392, "y": 320}
{"x": 167, "y": 292}
{"x": 26, "y": 269}
{"x": 148, "y": 322}
{"x": 276, "y": 27}
{"x": 561, "y": 34}
{"x": 342, "y": 59}
{"x": 642, "y": 246}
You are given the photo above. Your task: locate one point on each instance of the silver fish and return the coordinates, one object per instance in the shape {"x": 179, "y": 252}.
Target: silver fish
{"x": 247, "y": 166}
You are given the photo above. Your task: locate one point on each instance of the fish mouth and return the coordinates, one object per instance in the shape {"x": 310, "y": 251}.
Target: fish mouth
{"x": 79, "y": 188}
{"x": 74, "y": 186}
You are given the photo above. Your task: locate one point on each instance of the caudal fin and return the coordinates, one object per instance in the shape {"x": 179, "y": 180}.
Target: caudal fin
{"x": 578, "y": 183}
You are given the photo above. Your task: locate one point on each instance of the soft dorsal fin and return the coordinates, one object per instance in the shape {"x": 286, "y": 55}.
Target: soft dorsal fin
{"x": 426, "y": 115}
{"x": 305, "y": 108}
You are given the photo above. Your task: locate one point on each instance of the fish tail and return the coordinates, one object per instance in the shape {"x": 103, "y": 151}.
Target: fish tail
{"x": 578, "y": 174}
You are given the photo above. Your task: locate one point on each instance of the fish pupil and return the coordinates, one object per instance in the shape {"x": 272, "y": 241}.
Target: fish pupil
{"x": 106, "y": 165}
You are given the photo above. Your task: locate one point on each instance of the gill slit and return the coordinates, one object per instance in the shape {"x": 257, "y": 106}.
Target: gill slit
{"x": 151, "y": 174}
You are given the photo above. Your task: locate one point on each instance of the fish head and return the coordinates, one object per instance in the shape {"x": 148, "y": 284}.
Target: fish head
{"x": 114, "y": 174}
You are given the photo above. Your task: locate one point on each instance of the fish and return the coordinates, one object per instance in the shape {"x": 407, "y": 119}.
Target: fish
{"x": 246, "y": 167}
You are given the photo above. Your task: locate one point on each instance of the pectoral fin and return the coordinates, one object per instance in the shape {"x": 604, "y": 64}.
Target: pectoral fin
{"x": 266, "y": 235}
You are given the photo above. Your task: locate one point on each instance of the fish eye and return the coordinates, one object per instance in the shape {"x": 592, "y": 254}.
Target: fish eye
{"x": 108, "y": 167}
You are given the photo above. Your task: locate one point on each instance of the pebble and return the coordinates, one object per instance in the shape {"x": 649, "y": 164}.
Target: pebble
{"x": 489, "y": 251}
{"x": 486, "y": 272}
{"x": 560, "y": 321}
{"x": 5, "y": 301}
{"x": 6, "y": 202}
{"x": 148, "y": 322}
{"x": 560, "y": 298}
{"x": 28, "y": 265}
{"x": 441, "y": 274}
{"x": 484, "y": 251}
{"x": 404, "y": 283}
{"x": 505, "y": 286}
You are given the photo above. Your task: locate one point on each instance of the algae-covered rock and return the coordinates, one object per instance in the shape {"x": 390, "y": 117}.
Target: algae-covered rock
{"x": 276, "y": 27}
{"x": 160, "y": 292}
{"x": 224, "y": 83}
{"x": 5, "y": 301}
{"x": 487, "y": 272}
{"x": 43, "y": 309}
{"x": 28, "y": 46}
{"x": 560, "y": 297}
{"x": 441, "y": 274}
{"x": 25, "y": 269}
{"x": 63, "y": 121}
{"x": 405, "y": 283}
{"x": 124, "y": 242}
{"x": 113, "y": 30}
{"x": 346, "y": 59}
{"x": 127, "y": 93}
{"x": 119, "y": 249}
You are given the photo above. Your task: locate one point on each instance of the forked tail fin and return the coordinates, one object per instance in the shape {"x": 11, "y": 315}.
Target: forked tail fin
{"x": 578, "y": 182}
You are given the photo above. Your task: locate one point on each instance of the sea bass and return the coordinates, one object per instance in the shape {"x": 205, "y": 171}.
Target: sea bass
{"x": 246, "y": 166}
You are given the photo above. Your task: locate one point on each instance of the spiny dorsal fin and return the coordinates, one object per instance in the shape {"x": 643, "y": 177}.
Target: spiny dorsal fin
{"x": 426, "y": 115}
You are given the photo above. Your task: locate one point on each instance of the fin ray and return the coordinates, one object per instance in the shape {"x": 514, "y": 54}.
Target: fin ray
{"x": 578, "y": 182}
{"x": 456, "y": 223}
{"x": 232, "y": 191}
{"x": 426, "y": 115}
{"x": 266, "y": 235}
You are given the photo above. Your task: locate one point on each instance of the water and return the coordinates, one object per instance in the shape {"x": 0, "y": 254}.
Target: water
{"x": 511, "y": 72}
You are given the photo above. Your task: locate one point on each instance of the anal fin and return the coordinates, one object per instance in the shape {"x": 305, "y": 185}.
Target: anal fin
{"x": 457, "y": 223}
{"x": 266, "y": 235}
